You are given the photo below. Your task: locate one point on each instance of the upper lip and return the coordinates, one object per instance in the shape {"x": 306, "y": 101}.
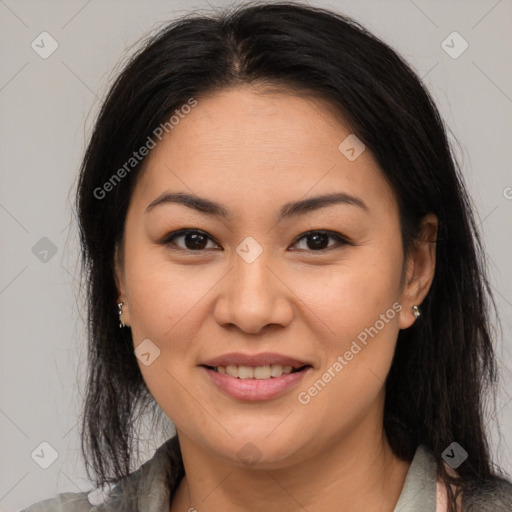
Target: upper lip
{"x": 263, "y": 359}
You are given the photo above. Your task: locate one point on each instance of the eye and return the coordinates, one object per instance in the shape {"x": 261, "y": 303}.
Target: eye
{"x": 317, "y": 241}
{"x": 193, "y": 239}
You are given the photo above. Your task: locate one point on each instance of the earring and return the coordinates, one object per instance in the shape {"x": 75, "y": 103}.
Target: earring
{"x": 416, "y": 311}
{"x": 120, "y": 307}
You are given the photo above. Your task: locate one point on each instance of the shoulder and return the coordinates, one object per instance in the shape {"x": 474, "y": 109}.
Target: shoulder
{"x": 489, "y": 496}
{"x": 123, "y": 497}
{"x": 65, "y": 502}
{"x": 147, "y": 488}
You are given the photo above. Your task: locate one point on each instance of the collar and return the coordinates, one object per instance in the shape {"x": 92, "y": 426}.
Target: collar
{"x": 419, "y": 490}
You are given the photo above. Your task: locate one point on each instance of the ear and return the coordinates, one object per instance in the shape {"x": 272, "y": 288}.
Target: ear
{"x": 420, "y": 267}
{"x": 120, "y": 283}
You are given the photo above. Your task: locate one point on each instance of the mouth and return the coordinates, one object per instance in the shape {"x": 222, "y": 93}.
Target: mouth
{"x": 255, "y": 377}
{"x": 269, "y": 371}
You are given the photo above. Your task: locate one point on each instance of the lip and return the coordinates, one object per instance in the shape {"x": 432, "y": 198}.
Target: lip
{"x": 262, "y": 359}
{"x": 255, "y": 389}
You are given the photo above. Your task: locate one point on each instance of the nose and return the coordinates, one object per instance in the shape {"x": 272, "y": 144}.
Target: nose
{"x": 254, "y": 296}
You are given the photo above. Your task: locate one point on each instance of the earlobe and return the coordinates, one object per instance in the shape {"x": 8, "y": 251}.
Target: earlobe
{"x": 122, "y": 305}
{"x": 420, "y": 271}
{"x": 120, "y": 308}
{"x": 409, "y": 316}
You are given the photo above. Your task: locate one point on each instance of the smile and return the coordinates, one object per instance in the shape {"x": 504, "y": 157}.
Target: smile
{"x": 255, "y": 383}
{"x": 258, "y": 372}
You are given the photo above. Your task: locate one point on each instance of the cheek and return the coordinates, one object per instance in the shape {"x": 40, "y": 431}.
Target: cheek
{"x": 348, "y": 298}
{"x": 165, "y": 301}
{"x": 358, "y": 312}
{"x": 354, "y": 312}
{"x": 164, "y": 296}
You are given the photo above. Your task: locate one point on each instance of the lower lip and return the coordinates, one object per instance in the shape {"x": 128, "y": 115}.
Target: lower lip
{"x": 255, "y": 389}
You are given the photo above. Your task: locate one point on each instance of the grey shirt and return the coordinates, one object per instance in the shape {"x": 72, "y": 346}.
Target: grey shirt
{"x": 148, "y": 490}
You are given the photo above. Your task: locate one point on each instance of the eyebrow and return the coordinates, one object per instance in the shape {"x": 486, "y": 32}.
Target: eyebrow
{"x": 288, "y": 210}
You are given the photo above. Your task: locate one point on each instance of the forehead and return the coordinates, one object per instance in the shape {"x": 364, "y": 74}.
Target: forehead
{"x": 245, "y": 120}
{"x": 244, "y": 143}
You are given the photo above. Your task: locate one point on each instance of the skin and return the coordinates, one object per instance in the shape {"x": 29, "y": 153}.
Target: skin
{"x": 253, "y": 151}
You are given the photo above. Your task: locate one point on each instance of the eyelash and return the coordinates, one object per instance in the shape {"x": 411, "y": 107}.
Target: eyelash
{"x": 169, "y": 239}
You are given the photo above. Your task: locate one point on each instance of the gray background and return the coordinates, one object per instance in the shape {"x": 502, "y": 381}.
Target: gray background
{"x": 48, "y": 107}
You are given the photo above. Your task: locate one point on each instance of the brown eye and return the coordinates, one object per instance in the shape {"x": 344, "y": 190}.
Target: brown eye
{"x": 319, "y": 240}
{"x": 196, "y": 241}
{"x": 193, "y": 240}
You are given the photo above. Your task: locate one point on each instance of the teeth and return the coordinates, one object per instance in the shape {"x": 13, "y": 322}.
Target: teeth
{"x": 258, "y": 372}
{"x": 232, "y": 370}
{"x": 262, "y": 372}
{"x": 245, "y": 372}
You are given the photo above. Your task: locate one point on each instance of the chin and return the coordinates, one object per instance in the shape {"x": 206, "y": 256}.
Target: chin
{"x": 256, "y": 450}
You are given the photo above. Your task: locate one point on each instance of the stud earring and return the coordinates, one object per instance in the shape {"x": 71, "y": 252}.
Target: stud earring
{"x": 416, "y": 311}
{"x": 120, "y": 307}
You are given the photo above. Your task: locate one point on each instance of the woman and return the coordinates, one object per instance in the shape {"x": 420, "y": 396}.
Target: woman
{"x": 343, "y": 375}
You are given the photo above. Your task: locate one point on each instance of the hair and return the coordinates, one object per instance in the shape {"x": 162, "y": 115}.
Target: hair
{"x": 444, "y": 365}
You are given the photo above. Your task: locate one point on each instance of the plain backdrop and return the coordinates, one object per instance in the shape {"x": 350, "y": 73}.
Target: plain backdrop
{"x": 48, "y": 106}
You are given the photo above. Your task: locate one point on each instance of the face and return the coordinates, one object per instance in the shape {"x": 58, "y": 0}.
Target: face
{"x": 258, "y": 283}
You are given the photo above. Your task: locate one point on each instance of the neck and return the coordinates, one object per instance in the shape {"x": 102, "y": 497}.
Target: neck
{"x": 357, "y": 472}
